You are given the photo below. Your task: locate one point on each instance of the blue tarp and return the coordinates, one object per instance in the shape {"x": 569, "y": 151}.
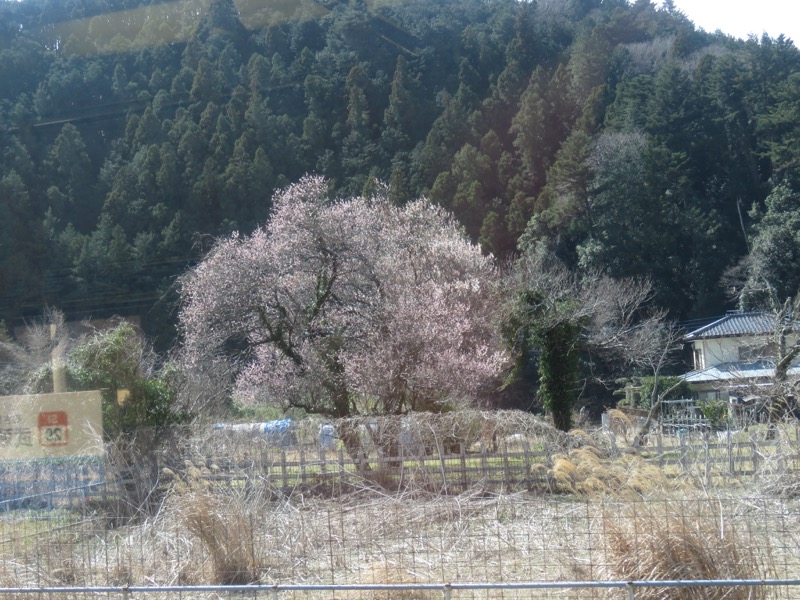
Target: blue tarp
{"x": 278, "y": 433}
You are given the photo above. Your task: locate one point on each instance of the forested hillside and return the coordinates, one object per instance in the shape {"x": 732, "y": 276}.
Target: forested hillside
{"x": 616, "y": 135}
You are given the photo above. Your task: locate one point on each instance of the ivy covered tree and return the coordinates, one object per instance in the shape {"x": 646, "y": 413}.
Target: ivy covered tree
{"x": 115, "y": 358}
{"x": 119, "y": 361}
{"x": 555, "y": 318}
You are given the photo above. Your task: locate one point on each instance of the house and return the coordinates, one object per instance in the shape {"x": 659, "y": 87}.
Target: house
{"x": 735, "y": 356}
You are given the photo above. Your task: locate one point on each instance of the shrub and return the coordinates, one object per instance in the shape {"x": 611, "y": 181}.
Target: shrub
{"x": 714, "y": 411}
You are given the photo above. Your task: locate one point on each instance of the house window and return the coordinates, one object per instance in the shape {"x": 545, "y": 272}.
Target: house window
{"x": 699, "y": 363}
{"x": 754, "y": 352}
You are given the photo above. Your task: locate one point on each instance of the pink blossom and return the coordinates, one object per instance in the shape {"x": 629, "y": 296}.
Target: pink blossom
{"x": 347, "y": 307}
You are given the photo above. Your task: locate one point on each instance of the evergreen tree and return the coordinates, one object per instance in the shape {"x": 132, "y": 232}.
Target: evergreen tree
{"x": 69, "y": 168}
{"x": 399, "y": 116}
{"x": 773, "y": 268}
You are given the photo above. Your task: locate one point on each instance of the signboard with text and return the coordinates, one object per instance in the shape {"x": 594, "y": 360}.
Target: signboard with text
{"x": 42, "y": 426}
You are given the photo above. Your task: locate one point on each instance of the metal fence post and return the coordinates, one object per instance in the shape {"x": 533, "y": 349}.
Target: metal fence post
{"x": 447, "y": 591}
{"x": 631, "y": 594}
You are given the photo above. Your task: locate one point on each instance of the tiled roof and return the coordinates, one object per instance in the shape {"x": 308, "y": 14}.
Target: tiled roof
{"x": 733, "y": 324}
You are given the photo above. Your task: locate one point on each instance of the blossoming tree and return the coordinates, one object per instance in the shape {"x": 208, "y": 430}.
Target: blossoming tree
{"x": 347, "y": 307}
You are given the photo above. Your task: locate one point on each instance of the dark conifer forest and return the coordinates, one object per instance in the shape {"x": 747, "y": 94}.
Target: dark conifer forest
{"x": 615, "y": 135}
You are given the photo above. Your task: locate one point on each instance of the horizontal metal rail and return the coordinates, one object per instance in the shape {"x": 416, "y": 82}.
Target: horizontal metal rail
{"x": 445, "y": 588}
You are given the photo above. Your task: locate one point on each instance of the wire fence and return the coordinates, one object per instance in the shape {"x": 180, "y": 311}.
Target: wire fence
{"x": 439, "y": 454}
{"x": 520, "y": 458}
{"x": 541, "y": 514}
{"x": 199, "y": 538}
{"x": 517, "y": 465}
{"x": 447, "y": 591}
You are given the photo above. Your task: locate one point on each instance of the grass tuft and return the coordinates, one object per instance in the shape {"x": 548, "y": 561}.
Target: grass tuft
{"x": 228, "y": 533}
{"x": 675, "y": 540}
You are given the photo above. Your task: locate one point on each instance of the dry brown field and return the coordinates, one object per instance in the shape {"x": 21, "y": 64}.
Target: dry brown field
{"x": 592, "y": 508}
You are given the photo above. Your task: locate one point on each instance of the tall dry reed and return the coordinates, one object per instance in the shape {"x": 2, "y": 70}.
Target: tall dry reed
{"x": 679, "y": 540}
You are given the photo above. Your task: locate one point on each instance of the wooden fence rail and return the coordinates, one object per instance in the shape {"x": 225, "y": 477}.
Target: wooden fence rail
{"x": 513, "y": 467}
{"x": 522, "y": 465}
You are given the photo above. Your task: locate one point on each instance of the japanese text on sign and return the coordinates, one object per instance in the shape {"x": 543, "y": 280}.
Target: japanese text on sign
{"x": 51, "y": 426}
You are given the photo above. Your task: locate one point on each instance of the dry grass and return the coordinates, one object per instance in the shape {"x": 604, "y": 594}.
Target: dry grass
{"x": 609, "y": 514}
{"x": 200, "y": 537}
{"x": 680, "y": 541}
{"x": 389, "y": 573}
{"x": 590, "y": 471}
{"x": 229, "y": 536}
{"x": 621, "y": 424}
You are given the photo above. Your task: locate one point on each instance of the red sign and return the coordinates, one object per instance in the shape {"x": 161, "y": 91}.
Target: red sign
{"x": 53, "y": 428}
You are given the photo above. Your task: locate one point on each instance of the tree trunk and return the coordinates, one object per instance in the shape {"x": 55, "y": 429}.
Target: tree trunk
{"x": 655, "y": 408}
{"x": 351, "y": 438}
{"x": 348, "y": 429}
{"x": 778, "y": 402}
